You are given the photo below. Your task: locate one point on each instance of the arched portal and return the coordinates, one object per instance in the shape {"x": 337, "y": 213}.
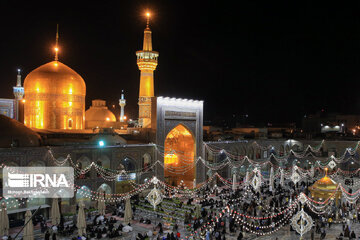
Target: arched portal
{"x": 84, "y": 194}
{"x": 179, "y": 156}
{"x": 105, "y": 187}
{"x": 146, "y": 161}
{"x": 123, "y": 182}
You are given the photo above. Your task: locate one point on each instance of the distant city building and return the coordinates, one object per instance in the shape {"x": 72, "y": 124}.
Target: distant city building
{"x": 251, "y": 132}
{"x": 324, "y": 123}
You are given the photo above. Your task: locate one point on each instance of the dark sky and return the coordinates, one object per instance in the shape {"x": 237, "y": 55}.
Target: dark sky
{"x": 272, "y": 61}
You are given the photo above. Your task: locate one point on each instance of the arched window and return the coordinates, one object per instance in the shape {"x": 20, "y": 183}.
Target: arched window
{"x": 103, "y": 161}
{"x": 128, "y": 164}
{"x": 105, "y": 187}
{"x": 295, "y": 147}
{"x": 258, "y": 153}
{"x": 287, "y": 148}
{"x": 82, "y": 163}
{"x": 146, "y": 161}
{"x": 282, "y": 150}
{"x": 9, "y": 164}
{"x": 84, "y": 194}
{"x": 250, "y": 152}
{"x": 70, "y": 123}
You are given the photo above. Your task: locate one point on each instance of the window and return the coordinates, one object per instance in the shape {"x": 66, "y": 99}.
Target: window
{"x": 70, "y": 123}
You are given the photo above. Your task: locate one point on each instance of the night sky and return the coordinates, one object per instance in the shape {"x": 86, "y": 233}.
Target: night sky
{"x": 275, "y": 62}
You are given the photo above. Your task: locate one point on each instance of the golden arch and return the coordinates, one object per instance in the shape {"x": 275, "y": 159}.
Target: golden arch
{"x": 179, "y": 156}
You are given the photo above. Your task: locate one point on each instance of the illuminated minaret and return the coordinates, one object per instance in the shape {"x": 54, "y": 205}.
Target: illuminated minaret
{"x": 122, "y": 103}
{"x": 18, "y": 91}
{"x": 147, "y": 60}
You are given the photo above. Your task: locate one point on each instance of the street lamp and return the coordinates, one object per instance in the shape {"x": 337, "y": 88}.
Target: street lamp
{"x": 101, "y": 143}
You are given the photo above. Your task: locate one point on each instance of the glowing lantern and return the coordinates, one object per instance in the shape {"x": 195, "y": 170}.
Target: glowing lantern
{"x": 101, "y": 143}
{"x": 171, "y": 158}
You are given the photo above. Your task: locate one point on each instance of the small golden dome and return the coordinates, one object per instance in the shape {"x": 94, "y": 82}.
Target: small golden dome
{"x": 325, "y": 183}
{"x": 98, "y": 115}
{"x": 324, "y": 188}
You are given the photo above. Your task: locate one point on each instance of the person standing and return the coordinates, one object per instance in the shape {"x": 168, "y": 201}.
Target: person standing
{"x": 47, "y": 235}
{"x": 323, "y": 233}
{"x": 352, "y": 235}
{"x": 312, "y": 234}
{"x": 330, "y": 220}
{"x": 240, "y": 237}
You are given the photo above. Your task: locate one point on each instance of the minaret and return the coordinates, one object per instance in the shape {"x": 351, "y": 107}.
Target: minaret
{"x": 147, "y": 60}
{"x": 122, "y": 103}
{"x": 18, "y": 91}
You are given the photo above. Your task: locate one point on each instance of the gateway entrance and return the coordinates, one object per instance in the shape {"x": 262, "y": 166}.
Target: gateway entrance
{"x": 179, "y": 157}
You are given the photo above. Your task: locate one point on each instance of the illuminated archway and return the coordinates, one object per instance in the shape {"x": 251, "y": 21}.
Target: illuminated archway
{"x": 123, "y": 181}
{"x": 106, "y": 188}
{"x": 84, "y": 194}
{"x": 179, "y": 156}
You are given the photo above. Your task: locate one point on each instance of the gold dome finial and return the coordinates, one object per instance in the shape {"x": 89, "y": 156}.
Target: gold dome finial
{"x": 147, "y": 19}
{"x": 57, "y": 43}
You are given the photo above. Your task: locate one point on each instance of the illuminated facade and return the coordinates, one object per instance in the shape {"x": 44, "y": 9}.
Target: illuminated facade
{"x": 179, "y": 156}
{"x": 179, "y": 131}
{"x": 147, "y": 61}
{"x": 55, "y": 98}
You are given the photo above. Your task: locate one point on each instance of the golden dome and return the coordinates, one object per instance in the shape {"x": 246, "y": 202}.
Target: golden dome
{"x": 55, "y": 97}
{"x": 325, "y": 183}
{"x": 98, "y": 115}
{"x": 324, "y": 188}
{"x": 55, "y": 77}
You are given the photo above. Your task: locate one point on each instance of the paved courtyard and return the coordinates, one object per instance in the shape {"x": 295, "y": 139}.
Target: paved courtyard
{"x": 286, "y": 234}
{"x": 137, "y": 228}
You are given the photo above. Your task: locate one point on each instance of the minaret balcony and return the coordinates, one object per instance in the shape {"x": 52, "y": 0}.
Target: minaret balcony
{"x": 147, "y": 55}
{"x": 122, "y": 102}
{"x": 146, "y": 64}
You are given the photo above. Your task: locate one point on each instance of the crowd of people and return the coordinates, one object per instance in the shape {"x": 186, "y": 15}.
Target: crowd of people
{"x": 260, "y": 212}
{"x": 223, "y": 213}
